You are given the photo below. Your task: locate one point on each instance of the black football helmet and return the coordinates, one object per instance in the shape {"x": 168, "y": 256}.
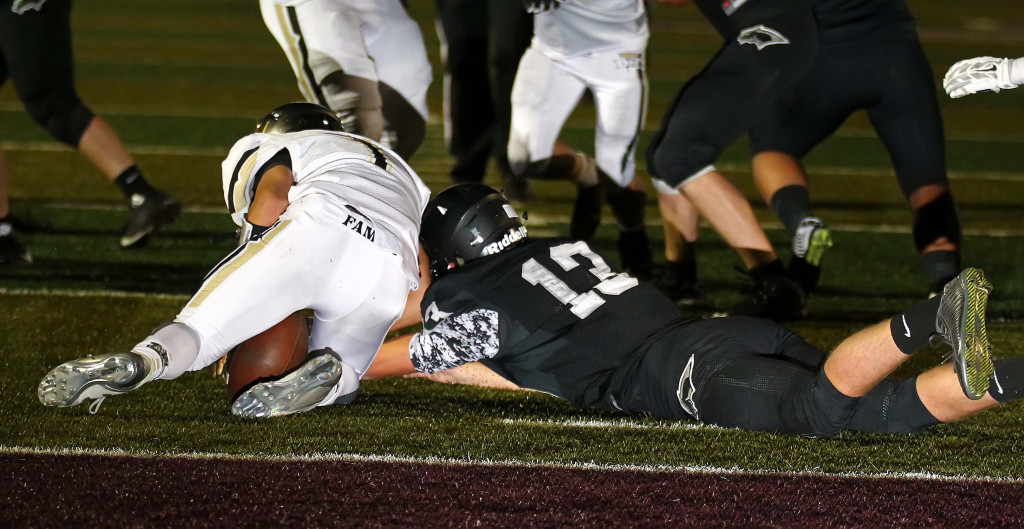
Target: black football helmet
{"x": 465, "y": 222}
{"x": 293, "y": 117}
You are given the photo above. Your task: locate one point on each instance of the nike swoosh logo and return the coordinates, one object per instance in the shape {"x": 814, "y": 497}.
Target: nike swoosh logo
{"x": 905, "y": 326}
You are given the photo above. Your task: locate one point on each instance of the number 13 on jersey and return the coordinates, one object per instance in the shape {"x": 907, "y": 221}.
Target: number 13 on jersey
{"x": 612, "y": 284}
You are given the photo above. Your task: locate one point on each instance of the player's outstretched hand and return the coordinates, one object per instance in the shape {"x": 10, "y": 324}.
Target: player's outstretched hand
{"x": 979, "y": 74}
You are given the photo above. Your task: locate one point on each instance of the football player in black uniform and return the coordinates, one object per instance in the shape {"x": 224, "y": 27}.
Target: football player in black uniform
{"x": 35, "y": 53}
{"x": 869, "y": 58}
{"x": 551, "y": 315}
{"x": 768, "y": 46}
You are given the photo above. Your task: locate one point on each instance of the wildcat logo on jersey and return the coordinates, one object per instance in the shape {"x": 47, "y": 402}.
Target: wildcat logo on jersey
{"x": 435, "y": 314}
{"x": 19, "y": 7}
{"x": 761, "y": 36}
{"x": 513, "y": 236}
{"x": 730, "y": 6}
{"x": 630, "y": 61}
{"x": 360, "y": 226}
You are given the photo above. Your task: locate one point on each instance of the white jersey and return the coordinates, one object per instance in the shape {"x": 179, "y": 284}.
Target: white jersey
{"x": 585, "y": 26}
{"x": 351, "y": 169}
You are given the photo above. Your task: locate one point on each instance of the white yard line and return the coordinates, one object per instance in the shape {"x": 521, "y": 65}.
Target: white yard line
{"x": 442, "y": 461}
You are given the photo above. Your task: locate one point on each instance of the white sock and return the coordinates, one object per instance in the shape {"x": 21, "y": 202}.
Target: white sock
{"x": 169, "y": 351}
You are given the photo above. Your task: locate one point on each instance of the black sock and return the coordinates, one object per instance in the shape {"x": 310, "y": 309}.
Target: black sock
{"x": 131, "y": 182}
{"x": 792, "y": 204}
{"x": 941, "y": 266}
{"x": 684, "y": 271}
{"x": 912, "y": 328}
{"x": 1008, "y": 382}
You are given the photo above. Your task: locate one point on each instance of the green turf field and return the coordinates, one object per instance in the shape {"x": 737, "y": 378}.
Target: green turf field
{"x": 182, "y": 80}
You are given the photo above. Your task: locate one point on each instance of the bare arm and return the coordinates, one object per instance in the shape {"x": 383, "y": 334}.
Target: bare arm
{"x": 393, "y": 360}
{"x": 412, "y": 315}
{"x": 271, "y": 197}
{"x": 472, "y": 374}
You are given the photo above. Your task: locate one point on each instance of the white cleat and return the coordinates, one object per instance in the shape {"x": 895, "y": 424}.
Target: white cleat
{"x": 296, "y": 392}
{"x": 92, "y": 377}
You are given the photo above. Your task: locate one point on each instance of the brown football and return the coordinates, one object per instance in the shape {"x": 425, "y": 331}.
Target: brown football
{"x": 267, "y": 355}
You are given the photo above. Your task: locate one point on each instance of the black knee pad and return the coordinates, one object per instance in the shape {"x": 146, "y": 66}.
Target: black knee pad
{"x": 892, "y": 407}
{"x": 938, "y": 218}
{"x": 62, "y": 115}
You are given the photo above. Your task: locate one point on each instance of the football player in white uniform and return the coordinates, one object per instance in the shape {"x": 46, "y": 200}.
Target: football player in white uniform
{"x": 983, "y": 74}
{"x": 363, "y": 59}
{"x": 330, "y": 222}
{"x": 595, "y": 45}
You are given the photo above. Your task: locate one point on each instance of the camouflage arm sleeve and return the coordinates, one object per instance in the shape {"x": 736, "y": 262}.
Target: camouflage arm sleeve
{"x": 456, "y": 340}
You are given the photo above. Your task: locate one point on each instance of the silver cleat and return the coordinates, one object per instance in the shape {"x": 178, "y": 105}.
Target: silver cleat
{"x": 961, "y": 323}
{"x": 92, "y": 377}
{"x": 298, "y": 391}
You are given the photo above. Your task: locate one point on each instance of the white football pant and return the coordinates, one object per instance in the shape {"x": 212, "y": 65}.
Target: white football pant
{"x": 309, "y": 259}
{"x": 547, "y": 90}
{"x": 371, "y": 39}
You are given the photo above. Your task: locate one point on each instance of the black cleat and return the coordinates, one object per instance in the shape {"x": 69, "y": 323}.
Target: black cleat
{"x": 805, "y": 273}
{"x": 678, "y": 286}
{"x": 773, "y": 297}
{"x": 148, "y": 214}
{"x": 12, "y": 250}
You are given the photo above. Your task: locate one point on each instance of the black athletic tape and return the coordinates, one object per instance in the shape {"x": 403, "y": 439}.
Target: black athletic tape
{"x": 936, "y": 219}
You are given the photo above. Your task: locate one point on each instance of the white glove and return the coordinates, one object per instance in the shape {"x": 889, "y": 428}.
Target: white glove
{"x": 979, "y": 74}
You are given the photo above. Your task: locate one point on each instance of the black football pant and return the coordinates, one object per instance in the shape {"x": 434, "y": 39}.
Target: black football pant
{"x": 769, "y": 46}
{"x": 476, "y": 37}
{"x": 885, "y": 74}
{"x": 754, "y": 374}
{"x": 35, "y": 53}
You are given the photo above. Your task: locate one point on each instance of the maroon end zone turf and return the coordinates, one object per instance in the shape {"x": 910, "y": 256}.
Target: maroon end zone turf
{"x": 55, "y": 491}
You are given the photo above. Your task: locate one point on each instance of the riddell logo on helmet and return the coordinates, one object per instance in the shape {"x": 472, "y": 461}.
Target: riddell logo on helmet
{"x": 513, "y": 236}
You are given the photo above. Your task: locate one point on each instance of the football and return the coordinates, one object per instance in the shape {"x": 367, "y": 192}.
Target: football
{"x": 267, "y": 355}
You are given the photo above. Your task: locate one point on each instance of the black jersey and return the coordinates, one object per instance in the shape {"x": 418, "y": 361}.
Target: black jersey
{"x": 549, "y": 315}
{"x": 840, "y": 20}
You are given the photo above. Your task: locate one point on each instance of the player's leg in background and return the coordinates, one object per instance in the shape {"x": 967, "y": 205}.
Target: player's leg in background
{"x": 619, "y": 84}
{"x": 467, "y": 106}
{"x": 324, "y": 45}
{"x": 711, "y": 112}
{"x": 543, "y": 96}
{"x": 511, "y": 30}
{"x": 396, "y": 47}
{"x": 909, "y": 123}
{"x": 38, "y": 58}
{"x": 12, "y": 250}
{"x": 678, "y": 278}
{"x": 808, "y": 113}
